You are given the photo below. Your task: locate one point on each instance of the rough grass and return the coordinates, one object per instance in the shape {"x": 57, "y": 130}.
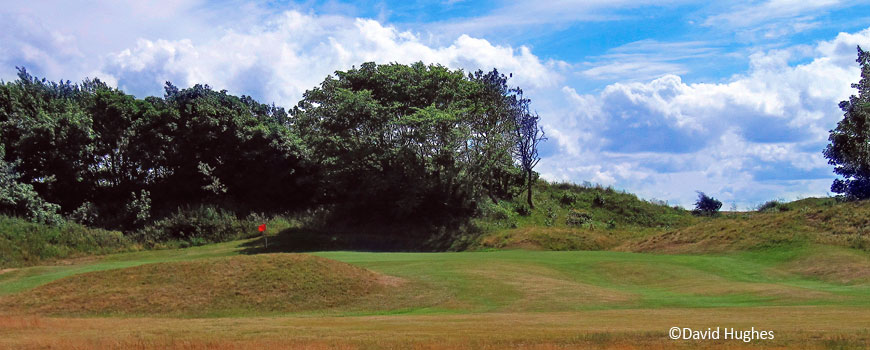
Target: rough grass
{"x": 614, "y": 217}
{"x": 24, "y": 243}
{"x": 794, "y": 327}
{"x": 606, "y": 206}
{"x": 622, "y": 222}
{"x": 820, "y": 221}
{"x": 241, "y": 284}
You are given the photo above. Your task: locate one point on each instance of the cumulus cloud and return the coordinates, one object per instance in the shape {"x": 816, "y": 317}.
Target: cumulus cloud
{"x": 38, "y": 47}
{"x": 759, "y": 134}
{"x": 293, "y": 52}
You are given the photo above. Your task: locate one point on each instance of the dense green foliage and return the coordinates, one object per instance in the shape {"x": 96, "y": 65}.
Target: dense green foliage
{"x": 417, "y": 142}
{"x": 197, "y": 226}
{"x": 848, "y": 150}
{"x": 413, "y": 146}
{"x": 115, "y": 161}
{"x": 26, "y": 243}
{"x": 21, "y": 199}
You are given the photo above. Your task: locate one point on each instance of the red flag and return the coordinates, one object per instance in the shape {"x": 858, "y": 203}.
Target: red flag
{"x": 262, "y": 227}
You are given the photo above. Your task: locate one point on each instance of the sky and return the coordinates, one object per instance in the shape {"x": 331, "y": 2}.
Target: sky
{"x": 658, "y": 98}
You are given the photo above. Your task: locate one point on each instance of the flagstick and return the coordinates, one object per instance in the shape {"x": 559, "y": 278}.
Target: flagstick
{"x": 265, "y": 240}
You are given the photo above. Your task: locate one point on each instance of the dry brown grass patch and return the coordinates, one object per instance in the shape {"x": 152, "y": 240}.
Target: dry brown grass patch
{"x": 832, "y": 266}
{"x": 546, "y": 289}
{"x": 240, "y": 284}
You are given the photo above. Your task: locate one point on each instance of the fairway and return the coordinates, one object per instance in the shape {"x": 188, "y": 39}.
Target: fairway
{"x": 488, "y": 299}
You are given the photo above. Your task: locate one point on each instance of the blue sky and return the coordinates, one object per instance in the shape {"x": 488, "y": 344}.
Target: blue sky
{"x": 660, "y": 98}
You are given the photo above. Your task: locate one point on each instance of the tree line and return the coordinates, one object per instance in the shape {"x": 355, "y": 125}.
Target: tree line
{"x": 397, "y": 143}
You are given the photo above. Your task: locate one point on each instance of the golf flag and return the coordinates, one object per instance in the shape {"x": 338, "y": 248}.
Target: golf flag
{"x": 262, "y": 227}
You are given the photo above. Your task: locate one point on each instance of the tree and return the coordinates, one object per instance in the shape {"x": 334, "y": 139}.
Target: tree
{"x": 17, "y": 198}
{"x": 849, "y": 150}
{"x": 706, "y": 205}
{"x": 528, "y": 136}
{"x": 110, "y": 159}
{"x": 420, "y": 142}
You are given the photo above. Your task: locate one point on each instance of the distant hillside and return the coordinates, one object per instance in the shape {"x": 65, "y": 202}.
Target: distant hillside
{"x": 572, "y": 217}
{"x": 576, "y": 217}
{"x": 808, "y": 221}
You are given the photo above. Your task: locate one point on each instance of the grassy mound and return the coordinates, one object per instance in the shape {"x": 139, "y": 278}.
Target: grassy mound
{"x": 558, "y": 204}
{"x": 217, "y": 286}
{"x": 821, "y": 221}
{"x": 575, "y": 217}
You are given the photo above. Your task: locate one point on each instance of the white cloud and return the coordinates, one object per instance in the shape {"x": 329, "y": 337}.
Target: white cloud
{"x": 772, "y": 19}
{"x": 293, "y": 52}
{"x": 758, "y": 136}
{"x": 647, "y": 59}
{"x": 522, "y": 16}
{"x": 748, "y": 15}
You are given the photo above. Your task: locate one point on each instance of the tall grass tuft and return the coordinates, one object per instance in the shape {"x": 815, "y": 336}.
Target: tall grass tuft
{"x": 24, "y": 243}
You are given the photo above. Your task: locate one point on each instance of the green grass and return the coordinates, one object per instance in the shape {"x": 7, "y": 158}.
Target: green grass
{"x": 646, "y": 280}
{"x": 807, "y": 252}
{"x": 225, "y": 286}
{"x": 24, "y": 243}
{"x": 612, "y": 218}
{"x": 29, "y": 277}
{"x": 543, "y": 281}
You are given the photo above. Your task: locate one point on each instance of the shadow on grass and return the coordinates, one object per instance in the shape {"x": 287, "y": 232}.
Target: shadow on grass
{"x": 394, "y": 240}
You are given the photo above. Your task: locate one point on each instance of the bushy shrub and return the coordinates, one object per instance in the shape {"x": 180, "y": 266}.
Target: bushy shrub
{"x": 706, "y": 205}
{"x": 578, "y": 218}
{"x": 85, "y": 214}
{"x": 598, "y": 200}
{"x": 568, "y": 199}
{"x": 197, "y": 226}
{"x": 20, "y": 199}
{"x": 522, "y": 209}
{"x": 139, "y": 208}
{"x": 772, "y": 206}
{"x": 495, "y": 212}
{"x": 550, "y": 220}
{"x": 24, "y": 243}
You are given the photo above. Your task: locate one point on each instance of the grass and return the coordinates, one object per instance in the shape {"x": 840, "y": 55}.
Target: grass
{"x": 794, "y": 327}
{"x": 269, "y": 283}
{"x": 800, "y": 269}
{"x": 457, "y": 282}
{"x": 620, "y": 221}
{"x": 812, "y": 221}
{"x": 609, "y": 219}
{"x": 20, "y": 279}
{"x": 517, "y": 299}
{"x": 23, "y": 243}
